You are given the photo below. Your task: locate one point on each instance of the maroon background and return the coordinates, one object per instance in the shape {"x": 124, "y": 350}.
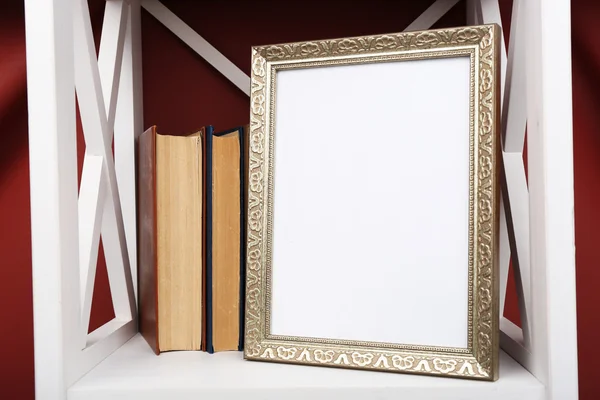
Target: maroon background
{"x": 182, "y": 92}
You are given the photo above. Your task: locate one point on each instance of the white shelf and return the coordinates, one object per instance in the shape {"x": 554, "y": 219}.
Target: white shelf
{"x": 135, "y": 372}
{"x": 67, "y": 220}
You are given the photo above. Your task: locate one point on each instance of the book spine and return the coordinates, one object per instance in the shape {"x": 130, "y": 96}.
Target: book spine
{"x": 208, "y": 240}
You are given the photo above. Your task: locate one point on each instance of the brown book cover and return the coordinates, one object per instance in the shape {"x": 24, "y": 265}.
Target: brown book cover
{"x": 147, "y": 238}
{"x": 171, "y": 227}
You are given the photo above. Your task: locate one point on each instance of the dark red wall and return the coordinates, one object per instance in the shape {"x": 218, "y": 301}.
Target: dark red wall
{"x": 182, "y": 92}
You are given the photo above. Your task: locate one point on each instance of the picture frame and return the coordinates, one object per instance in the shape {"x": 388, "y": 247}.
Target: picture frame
{"x": 373, "y": 203}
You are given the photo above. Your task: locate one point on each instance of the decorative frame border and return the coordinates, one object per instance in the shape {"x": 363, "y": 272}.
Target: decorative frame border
{"x": 480, "y": 359}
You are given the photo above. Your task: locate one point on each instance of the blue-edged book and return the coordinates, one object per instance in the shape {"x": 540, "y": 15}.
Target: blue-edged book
{"x": 225, "y": 239}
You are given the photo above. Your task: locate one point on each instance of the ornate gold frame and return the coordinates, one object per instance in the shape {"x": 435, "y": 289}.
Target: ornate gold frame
{"x": 480, "y": 359}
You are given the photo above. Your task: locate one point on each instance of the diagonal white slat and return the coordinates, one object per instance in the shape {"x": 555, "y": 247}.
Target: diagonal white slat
{"x": 514, "y": 106}
{"x": 110, "y": 55}
{"x": 514, "y": 119}
{"x": 91, "y": 205}
{"x": 515, "y": 198}
{"x": 128, "y": 125}
{"x": 432, "y": 15}
{"x": 503, "y": 253}
{"x": 101, "y": 343}
{"x": 110, "y": 58}
{"x": 94, "y": 120}
{"x": 230, "y": 70}
{"x": 518, "y": 228}
{"x": 198, "y": 44}
{"x": 512, "y": 342}
{"x": 117, "y": 261}
{"x": 91, "y": 200}
{"x": 106, "y": 339}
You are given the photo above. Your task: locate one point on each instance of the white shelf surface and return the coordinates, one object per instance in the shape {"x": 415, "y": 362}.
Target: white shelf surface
{"x": 134, "y": 372}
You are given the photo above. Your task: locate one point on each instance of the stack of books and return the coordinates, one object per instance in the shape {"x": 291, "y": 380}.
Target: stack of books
{"x": 191, "y": 239}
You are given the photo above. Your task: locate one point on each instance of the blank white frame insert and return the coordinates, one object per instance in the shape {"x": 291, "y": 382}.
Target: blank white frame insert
{"x": 370, "y": 227}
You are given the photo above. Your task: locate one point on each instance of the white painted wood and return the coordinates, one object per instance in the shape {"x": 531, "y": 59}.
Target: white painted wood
{"x": 550, "y": 168}
{"x": 198, "y": 44}
{"x": 514, "y": 105}
{"x": 98, "y": 335}
{"x": 503, "y": 254}
{"x": 513, "y": 343}
{"x": 97, "y": 136}
{"x": 514, "y": 231}
{"x": 134, "y": 372}
{"x": 97, "y": 174}
{"x": 53, "y": 183}
{"x": 56, "y": 277}
{"x": 537, "y": 192}
{"x": 91, "y": 206}
{"x": 431, "y": 15}
{"x": 101, "y": 343}
{"x": 117, "y": 262}
{"x": 60, "y": 307}
{"x": 514, "y": 111}
{"x": 517, "y": 209}
{"x": 110, "y": 56}
{"x": 129, "y": 124}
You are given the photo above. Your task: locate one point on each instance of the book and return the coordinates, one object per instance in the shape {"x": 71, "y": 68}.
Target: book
{"x": 170, "y": 243}
{"x": 225, "y": 239}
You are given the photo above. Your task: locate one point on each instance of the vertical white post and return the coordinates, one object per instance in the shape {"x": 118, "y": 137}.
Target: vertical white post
{"x": 53, "y": 182}
{"x": 550, "y": 161}
{"x": 128, "y": 125}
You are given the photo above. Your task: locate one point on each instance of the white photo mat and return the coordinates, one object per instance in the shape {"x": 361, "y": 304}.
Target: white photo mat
{"x": 382, "y": 246}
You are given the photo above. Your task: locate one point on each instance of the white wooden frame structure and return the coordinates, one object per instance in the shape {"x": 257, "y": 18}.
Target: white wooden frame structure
{"x": 67, "y": 221}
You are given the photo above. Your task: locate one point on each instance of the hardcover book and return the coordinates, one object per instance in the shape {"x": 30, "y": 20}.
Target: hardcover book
{"x": 225, "y": 236}
{"x": 170, "y": 229}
